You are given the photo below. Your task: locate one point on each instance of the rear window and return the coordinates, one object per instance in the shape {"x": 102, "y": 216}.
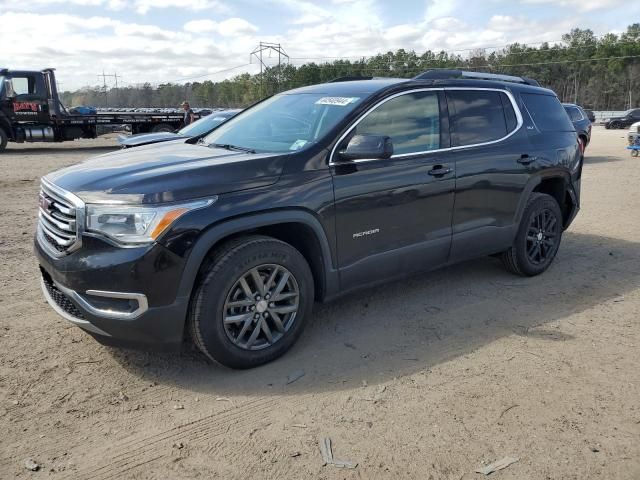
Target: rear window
{"x": 547, "y": 113}
{"x": 574, "y": 114}
{"x": 479, "y": 116}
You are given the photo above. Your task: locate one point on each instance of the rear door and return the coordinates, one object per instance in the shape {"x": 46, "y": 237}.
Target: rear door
{"x": 393, "y": 216}
{"x": 491, "y": 153}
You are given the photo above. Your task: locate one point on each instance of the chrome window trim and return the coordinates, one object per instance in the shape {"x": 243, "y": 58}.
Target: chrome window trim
{"x": 514, "y": 104}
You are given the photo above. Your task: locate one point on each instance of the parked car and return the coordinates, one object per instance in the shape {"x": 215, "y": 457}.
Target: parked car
{"x": 634, "y": 134}
{"x": 625, "y": 120}
{"x": 590, "y": 115}
{"x": 233, "y": 237}
{"x": 197, "y": 128}
{"x": 581, "y": 123}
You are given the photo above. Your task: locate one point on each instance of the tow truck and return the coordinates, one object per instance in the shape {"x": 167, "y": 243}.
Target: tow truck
{"x": 31, "y": 111}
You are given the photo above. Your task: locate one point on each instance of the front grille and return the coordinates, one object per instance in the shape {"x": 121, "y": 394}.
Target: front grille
{"x": 60, "y": 298}
{"x": 58, "y": 219}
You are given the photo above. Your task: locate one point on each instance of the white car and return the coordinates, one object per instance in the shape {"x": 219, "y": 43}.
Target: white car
{"x": 634, "y": 133}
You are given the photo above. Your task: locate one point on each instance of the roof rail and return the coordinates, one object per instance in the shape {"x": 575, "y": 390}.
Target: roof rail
{"x": 447, "y": 74}
{"x": 352, "y": 78}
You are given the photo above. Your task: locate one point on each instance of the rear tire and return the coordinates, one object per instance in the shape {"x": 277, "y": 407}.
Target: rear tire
{"x": 3, "y": 140}
{"x": 163, "y": 127}
{"x": 253, "y": 302}
{"x": 538, "y": 238}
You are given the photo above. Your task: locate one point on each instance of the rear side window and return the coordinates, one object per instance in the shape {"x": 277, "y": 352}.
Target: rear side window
{"x": 574, "y": 114}
{"x": 479, "y": 116}
{"x": 547, "y": 112}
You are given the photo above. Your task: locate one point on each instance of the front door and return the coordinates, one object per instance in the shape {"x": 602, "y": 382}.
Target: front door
{"x": 393, "y": 216}
{"x": 28, "y": 97}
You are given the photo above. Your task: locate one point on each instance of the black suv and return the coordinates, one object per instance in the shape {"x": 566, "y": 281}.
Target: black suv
{"x": 581, "y": 123}
{"x": 625, "y": 120}
{"x": 307, "y": 195}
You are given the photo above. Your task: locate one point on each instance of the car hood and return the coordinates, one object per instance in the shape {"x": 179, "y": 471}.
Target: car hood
{"x": 168, "y": 172}
{"x": 146, "y": 138}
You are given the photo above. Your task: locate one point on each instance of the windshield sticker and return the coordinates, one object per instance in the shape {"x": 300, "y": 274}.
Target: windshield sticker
{"x": 337, "y": 101}
{"x": 298, "y": 144}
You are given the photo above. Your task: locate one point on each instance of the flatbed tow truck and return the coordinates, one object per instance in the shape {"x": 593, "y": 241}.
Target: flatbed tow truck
{"x": 31, "y": 111}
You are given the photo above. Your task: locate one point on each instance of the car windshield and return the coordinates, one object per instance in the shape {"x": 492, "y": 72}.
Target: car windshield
{"x": 284, "y": 123}
{"x": 203, "y": 125}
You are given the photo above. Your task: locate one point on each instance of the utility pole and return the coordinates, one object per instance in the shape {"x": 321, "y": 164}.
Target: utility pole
{"x": 104, "y": 85}
{"x": 258, "y": 52}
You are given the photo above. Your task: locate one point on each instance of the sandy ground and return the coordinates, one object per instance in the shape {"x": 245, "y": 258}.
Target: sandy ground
{"x": 429, "y": 378}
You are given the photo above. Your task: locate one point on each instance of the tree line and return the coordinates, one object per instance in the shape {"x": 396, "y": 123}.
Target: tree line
{"x": 597, "y": 72}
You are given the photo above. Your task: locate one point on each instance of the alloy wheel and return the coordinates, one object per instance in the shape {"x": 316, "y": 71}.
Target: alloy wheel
{"x": 261, "y": 307}
{"x": 542, "y": 236}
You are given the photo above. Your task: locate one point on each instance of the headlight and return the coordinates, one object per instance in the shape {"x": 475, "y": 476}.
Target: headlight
{"x": 132, "y": 224}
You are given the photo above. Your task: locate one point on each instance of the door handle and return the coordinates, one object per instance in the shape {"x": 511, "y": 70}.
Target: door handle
{"x": 526, "y": 159}
{"x": 439, "y": 171}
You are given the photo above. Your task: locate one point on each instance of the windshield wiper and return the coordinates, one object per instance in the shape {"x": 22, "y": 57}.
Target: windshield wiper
{"x": 227, "y": 146}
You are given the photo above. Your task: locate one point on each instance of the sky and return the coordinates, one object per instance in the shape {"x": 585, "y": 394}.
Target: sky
{"x": 160, "y": 41}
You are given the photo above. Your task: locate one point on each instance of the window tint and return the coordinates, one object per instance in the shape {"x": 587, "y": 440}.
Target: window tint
{"x": 574, "y": 114}
{"x": 478, "y": 116}
{"x": 411, "y": 120}
{"x": 547, "y": 112}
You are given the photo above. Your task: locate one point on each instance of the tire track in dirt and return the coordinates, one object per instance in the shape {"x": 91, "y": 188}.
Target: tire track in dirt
{"x": 140, "y": 450}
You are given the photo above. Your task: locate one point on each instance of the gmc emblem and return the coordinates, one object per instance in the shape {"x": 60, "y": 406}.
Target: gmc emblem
{"x": 44, "y": 202}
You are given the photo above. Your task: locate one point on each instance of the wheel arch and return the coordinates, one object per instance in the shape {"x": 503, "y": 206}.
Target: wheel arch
{"x": 296, "y": 227}
{"x": 5, "y": 125}
{"x": 584, "y": 137}
{"x": 559, "y": 186}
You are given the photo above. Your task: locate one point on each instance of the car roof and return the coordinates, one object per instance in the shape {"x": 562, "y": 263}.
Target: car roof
{"x": 351, "y": 87}
{"x": 375, "y": 85}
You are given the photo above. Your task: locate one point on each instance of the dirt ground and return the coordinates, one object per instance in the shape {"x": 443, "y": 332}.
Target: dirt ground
{"x": 428, "y": 378}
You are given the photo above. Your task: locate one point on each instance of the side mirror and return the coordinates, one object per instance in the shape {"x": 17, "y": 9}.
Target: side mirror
{"x": 367, "y": 146}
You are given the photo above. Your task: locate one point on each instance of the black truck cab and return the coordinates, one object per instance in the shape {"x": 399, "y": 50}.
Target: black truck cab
{"x": 31, "y": 111}
{"x": 28, "y": 103}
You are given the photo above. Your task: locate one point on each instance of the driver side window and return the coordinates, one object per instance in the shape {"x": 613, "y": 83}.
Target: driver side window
{"x": 411, "y": 120}
{"x": 22, "y": 86}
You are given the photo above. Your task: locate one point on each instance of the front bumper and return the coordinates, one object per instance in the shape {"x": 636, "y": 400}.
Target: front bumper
{"x": 121, "y": 296}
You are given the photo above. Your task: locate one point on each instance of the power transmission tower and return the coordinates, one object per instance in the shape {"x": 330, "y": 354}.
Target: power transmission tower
{"x": 258, "y": 54}
{"x": 104, "y": 84}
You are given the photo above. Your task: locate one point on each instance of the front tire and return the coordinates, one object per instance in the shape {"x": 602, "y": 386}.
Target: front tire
{"x": 3, "y": 140}
{"x": 253, "y": 302}
{"x": 538, "y": 238}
